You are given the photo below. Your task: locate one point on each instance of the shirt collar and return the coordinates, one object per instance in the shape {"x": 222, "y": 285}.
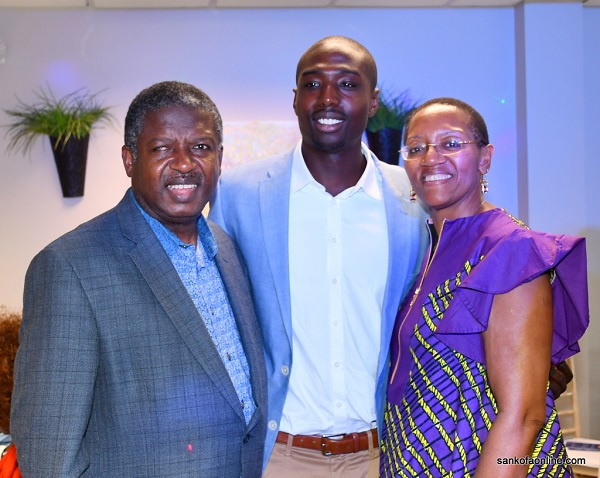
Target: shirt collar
{"x": 368, "y": 182}
{"x": 169, "y": 239}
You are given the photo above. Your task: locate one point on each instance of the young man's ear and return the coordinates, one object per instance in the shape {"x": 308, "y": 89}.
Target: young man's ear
{"x": 374, "y": 102}
{"x": 295, "y": 90}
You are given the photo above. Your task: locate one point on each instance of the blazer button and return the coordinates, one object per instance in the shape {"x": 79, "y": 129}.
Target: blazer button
{"x": 272, "y": 425}
{"x": 246, "y": 439}
{"x": 285, "y": 370}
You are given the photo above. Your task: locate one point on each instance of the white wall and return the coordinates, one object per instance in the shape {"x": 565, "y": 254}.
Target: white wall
{"x": 591, "y": 345}
{"x": 553, "y": 181}
{"x": 245, "y": 60}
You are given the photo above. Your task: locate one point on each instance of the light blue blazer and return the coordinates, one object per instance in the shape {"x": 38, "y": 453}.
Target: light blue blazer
{"x": 252, "y": 206}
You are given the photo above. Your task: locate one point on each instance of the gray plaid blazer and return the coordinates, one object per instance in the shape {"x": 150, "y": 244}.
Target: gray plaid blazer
{"x": 116, "y": 375}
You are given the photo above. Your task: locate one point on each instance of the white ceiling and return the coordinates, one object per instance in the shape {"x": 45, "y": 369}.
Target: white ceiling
{"x": 272, "y": 3}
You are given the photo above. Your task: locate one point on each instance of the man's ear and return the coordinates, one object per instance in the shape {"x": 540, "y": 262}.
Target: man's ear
{"x": 374, "y": 104}
{"x": 128, "y": 160}
{"x": 295, "y": 90}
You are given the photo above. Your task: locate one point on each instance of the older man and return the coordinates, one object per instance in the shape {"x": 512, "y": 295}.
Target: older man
{"x": 140, "y": 352}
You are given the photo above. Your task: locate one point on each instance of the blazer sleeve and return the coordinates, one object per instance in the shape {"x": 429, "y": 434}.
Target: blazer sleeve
{"x": 55, "y": 370}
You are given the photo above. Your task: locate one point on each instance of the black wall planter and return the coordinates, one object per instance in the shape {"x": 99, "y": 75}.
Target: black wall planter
{"x": 385, "y": 143}
{"x": 70, "y": 164}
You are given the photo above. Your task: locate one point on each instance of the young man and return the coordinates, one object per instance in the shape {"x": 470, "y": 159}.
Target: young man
{"x": 332, "y": 243}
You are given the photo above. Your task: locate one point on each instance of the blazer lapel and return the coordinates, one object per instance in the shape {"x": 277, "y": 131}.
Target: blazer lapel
{"x": 238, "y": 291}
{"x": 406, "y": 222}
{"x": 274, "y": 199}
{"x": 162, "y": 278}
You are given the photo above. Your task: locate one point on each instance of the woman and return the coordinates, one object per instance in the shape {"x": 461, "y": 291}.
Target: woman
{"x": 494, "y": 304}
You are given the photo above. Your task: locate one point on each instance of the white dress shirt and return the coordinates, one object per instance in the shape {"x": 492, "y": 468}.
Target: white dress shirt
{"x": 338, "y": 257}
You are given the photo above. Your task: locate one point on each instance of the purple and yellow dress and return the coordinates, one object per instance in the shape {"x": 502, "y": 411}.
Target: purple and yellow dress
{"x": 440, "y": 405}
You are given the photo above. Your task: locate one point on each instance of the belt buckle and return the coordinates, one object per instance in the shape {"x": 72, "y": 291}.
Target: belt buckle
{"x": 339, "y": 436}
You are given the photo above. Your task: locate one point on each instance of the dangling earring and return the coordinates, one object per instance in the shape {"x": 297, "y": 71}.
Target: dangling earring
{"x": 485, "y": 186}
{"x": 413, "y": 195}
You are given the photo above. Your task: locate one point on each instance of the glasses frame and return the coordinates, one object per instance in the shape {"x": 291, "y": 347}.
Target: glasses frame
{"x": 404, "y": 150}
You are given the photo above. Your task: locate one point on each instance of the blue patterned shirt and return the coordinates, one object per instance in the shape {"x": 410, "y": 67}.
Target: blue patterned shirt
{"x": 198, "y": 271}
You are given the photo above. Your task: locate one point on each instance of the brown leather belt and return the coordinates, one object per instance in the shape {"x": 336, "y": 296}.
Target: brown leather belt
{"x": 332, "y": 444}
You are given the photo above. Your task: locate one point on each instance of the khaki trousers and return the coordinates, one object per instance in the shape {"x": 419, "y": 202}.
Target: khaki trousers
{"x": 294, "y": 462}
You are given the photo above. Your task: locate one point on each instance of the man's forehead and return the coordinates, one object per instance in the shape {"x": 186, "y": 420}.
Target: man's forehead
{"x": 330, "y": 68}
{"x": 336, "y": 49}
{"x": 332, "y": 60}
{"x": 167, "y": 112}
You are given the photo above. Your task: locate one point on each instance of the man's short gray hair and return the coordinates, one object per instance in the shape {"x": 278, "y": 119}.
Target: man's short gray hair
{"x": 162, "y": 95}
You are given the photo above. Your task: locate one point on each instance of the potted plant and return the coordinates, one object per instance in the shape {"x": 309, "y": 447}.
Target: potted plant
{"x": 67, "y": 122}
{"x": 9, "y": 342}
{"x": 385, "y": 127}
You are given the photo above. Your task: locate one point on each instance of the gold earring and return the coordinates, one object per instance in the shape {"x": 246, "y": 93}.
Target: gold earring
{"x": 413, "y": 195}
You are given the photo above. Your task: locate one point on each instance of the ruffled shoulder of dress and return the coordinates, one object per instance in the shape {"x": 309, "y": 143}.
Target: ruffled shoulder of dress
{"x": 510, "y": 254}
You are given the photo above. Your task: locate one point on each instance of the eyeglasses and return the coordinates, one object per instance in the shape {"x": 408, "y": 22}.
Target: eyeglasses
{"x": 447, "y": 147}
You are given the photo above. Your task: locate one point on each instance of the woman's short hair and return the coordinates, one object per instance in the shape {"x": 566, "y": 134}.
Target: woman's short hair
{"x": 476, "y": 123}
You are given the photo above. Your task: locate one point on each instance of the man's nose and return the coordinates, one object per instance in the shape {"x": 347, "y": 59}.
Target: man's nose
{"x": 183, "y": 161}
{"x": 329, "y": 94}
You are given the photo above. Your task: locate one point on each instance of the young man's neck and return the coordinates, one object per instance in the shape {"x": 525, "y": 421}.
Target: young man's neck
{"x": 336, "y": 171}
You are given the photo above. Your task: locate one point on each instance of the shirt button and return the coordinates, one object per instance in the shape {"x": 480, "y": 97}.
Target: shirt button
{"x": 334, "y": 281}
{"x": 339, "y": 404}
{"x": 272, "y": 425}
{"x": 337, "y": 364}
{"x": 285, "y": 370}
